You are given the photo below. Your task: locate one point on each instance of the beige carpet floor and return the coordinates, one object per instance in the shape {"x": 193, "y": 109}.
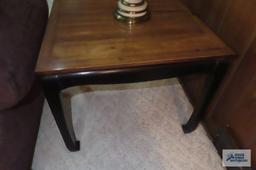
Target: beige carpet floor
{"x": 127, "y": 127}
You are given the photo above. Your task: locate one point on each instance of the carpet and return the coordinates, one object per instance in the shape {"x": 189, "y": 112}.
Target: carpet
{"x": 126, "y": 127}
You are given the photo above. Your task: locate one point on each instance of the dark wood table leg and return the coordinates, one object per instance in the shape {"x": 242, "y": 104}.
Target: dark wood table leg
{"x": 53, "y": 84}
{"x": 210, "y": 87}
{"x": 52, "y": 89}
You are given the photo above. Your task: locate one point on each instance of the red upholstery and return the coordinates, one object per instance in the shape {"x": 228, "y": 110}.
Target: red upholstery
{"x": 18, "y": 131}
{"x": 21, "y": 30}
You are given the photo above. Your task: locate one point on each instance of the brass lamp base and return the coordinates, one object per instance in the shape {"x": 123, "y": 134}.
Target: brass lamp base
{"x": 132, "y": 11}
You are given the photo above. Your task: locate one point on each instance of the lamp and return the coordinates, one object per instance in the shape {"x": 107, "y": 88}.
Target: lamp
{"x": 131, "y": 11}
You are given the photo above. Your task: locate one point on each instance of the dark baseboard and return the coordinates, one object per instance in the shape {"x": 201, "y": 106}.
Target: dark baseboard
{"x": 222, "y": 138}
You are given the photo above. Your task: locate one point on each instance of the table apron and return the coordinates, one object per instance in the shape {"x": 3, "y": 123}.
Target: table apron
{"x": 128, "y": 75}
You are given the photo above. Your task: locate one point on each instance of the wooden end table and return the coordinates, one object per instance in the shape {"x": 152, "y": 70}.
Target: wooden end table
{"x": 84, "y": 44}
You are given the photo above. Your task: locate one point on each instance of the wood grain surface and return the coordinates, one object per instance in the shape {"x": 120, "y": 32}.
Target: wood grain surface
{"x": 82, "y": 35}
{"x": 234, "y": 21}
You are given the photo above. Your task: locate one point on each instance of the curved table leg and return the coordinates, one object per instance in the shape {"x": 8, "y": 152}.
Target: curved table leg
{"x": 53, "y": 84}
{"x": 52, "y": 92}
{"x": 211, "y": 85}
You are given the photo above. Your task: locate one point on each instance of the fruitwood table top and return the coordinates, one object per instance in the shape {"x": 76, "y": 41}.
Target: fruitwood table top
{"x": 82, "y": 35}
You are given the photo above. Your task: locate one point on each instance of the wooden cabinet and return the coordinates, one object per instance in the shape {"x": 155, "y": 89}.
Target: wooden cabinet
{"x": 234, "y": 107}
{"x": 237, "y": 107}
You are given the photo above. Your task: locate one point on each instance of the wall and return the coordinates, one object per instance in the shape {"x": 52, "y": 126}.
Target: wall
{"x": 234, "y": 21}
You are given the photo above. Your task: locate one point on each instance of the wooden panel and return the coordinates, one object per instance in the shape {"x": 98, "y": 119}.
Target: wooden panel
{"x": 239, "y": 25}
{"x": 235, "y": 22}
{"x": 212, "y": 12}
{"x": 84, "y": 37}
{"x": 239, "y": 109}
{"x": 216, "y": 13}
